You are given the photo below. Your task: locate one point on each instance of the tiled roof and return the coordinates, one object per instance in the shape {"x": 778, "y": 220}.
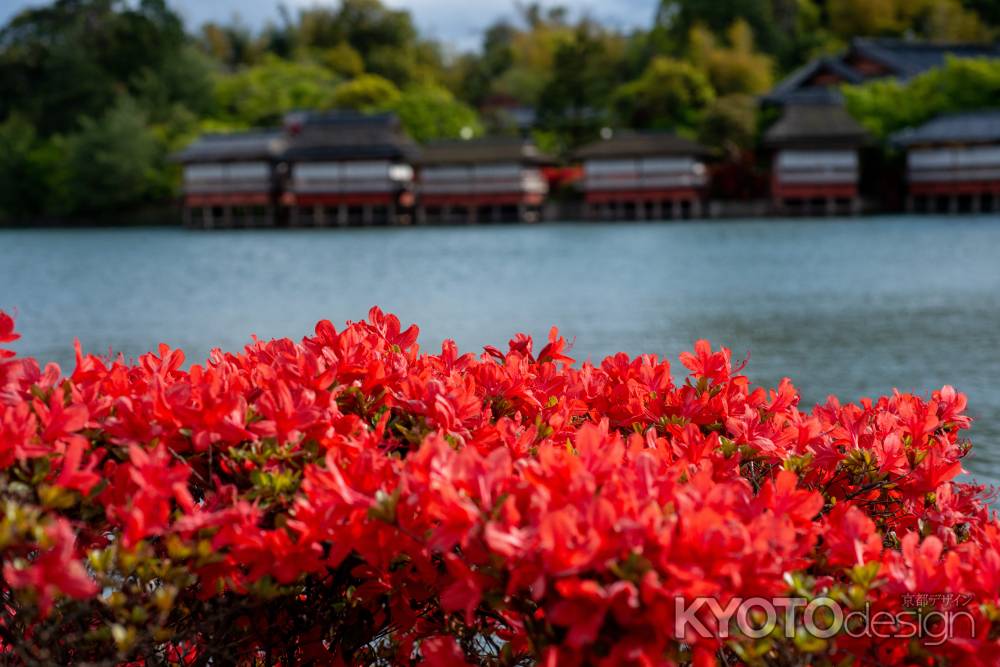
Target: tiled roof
{"x": 902, "y": 59}
{"x": 908, "y": 58}
{"x": 815, "y": 126}
{"x": 493, "y": 149}
{"x": 640, "y": 144}
{"x": 961, "y": 128}
{"x": 254, "y": 145}
{"x": 346, "y": 136}
{"x": 791, "y": 87}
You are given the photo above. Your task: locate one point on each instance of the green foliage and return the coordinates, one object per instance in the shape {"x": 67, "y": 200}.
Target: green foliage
{"x": 792, "y": 31}
{"x": 963, "y": 84}
{"x": 670, "y": 94}
{"x": 432, "y": 112}
{"x": 114, "y": 161}
{"x": 368, "y": 92}
{"x": 737, "y": 68}
{"x": 262, "y": 94}
{"x": 519, "y": 63}
{"x": 70, "y": 72}
{"x": 583, "y": 74}
{"x": 729, "y": 124}
{"x": 989, "y": 10}
{"x": 936, "y": 20}
{"x": 342, "y": 59}
{"x": 28, "y": 166}
{"x": 232, "y": 45}
{"x": 75, "y": 57}
{"x": 183, "y": 82}
{"x": 478, "y": 72}
{"x": 772, "y": 21}
{"x": 863, "y": 17}
{"x": 384, "y": 39}
{"x": 366, "y": 25}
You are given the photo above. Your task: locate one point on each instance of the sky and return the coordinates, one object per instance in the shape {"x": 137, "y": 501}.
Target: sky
{"x": 458, "y": 23}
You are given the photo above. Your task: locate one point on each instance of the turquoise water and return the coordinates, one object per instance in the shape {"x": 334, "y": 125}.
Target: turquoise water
{"x": 849, "y": 307}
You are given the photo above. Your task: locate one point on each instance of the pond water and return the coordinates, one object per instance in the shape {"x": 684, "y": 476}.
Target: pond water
{"x": 853, "y": 307}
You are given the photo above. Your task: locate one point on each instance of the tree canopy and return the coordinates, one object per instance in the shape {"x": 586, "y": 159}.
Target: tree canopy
{"x": 669, "y": 95}
{"x": 885, "y": 106}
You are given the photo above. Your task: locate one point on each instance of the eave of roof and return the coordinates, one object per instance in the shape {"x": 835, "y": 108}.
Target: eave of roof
{"x": 977, "y": 127}
{"x": 909, "y": 58}
{"x": 816, "y": 126}
{"x": 635, "y": 144}
{"x": 790, "y": 86}
{"x": 903, "y": 58}
{"x": 233, "y": 147}
{"x": 479, "y": 151}
{"x": 347, "y": 136}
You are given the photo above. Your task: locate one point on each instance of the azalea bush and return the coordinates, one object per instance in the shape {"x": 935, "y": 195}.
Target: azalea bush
{"x": 348, "y": 499}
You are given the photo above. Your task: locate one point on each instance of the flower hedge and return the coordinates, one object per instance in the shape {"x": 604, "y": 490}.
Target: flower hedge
{"x": 349, "y": 500}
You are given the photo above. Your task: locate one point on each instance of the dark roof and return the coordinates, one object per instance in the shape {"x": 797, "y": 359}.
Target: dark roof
{"x": 792, "y": 88}
{"x": 491, "y": 149}
{"x": 902, "y": 59}
{"x": 908, "y": 58}
{"x": 640, "y": 144}
{"x": 238, "y": 146}
{"x": 345, "y": 135}
{"x": 818, "y": 125}
{"x": 980, "y": 127}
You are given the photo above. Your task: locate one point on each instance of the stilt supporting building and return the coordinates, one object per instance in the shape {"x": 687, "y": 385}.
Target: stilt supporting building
{"x": 346, "y": 168}
{"x": 481, "y": 181}
{"x": 953, "y": 164}
{"x": 815, "y": 162}
{"x": 643, "y": 176}
{"x": 232, "y": 180}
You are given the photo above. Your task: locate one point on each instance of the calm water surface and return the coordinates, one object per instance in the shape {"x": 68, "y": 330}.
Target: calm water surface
{"x": 849, "y": 307}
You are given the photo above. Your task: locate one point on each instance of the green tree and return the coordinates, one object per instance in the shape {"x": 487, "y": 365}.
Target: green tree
{"x": 232, "y": 45}
{"x": 963, "y": 84}
{"x": 934, "y": 20}
{"x": 864, "y": 17}
{"x": 262, "y": 94}
{"x": 517, "y": 63}
{"x": 384, "y": 38}
{"x": 114, "y": 162}
{"x": 737, "y": 68}
{"x": 949, "y": 21}
{"x": 574, "y": 100}
{"x": 183, "y": 82}
{"x": 729, "y": 124}
{"x": 772, "y": 21}
{"x": 670, "y": 94}
{"x": 368, "y": 92}
{"x": 989, "y": 10}
{"x": 75, "y": 57}
{"x": 343, "y": 60}
{"x": 29, "y": 169}
{"x": 478, "y": 72}
{"x": 431, "y": 112}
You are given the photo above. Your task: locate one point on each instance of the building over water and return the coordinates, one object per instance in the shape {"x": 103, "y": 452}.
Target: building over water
{"x": 643, "y": 176}
{"x": 953, "y": 163}
{"x": 232, "y": 180}
{"x": 815, "y": 164}
{"x": 816, "y": 143}
{"x": 347, "y": 168}
{"x": 481, "y": 180}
